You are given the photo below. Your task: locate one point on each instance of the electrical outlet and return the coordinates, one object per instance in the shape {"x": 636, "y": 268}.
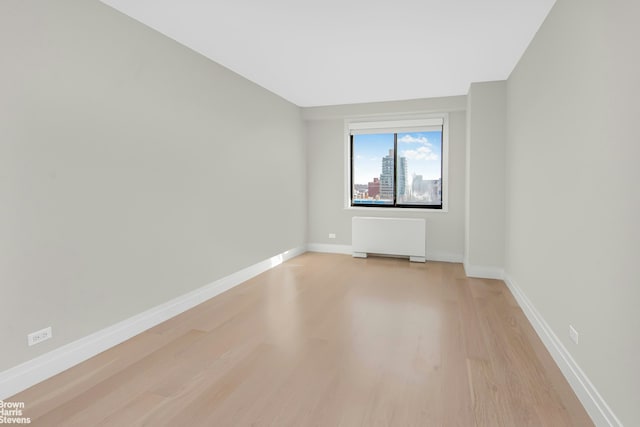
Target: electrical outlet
{"x": 39, "y": 336}
{"x": 573, "y": 334}
{"x": 332, "y": 235}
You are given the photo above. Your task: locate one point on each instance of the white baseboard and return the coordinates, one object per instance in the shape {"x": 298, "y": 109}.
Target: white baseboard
{"x": 443, "y": 257}
{"x": 329, "y": 248}
{"x": 25, "y": 375}
{"x": 483, "y": 272}
{"x": 347, "y": 250}
{"x": 596, "y": 407}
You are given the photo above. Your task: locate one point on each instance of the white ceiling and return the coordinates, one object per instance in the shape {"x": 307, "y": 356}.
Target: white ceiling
{"x": 349, "y": 51}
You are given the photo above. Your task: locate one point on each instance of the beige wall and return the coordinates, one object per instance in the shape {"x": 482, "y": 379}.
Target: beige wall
{"x": 326, "y": 166}
{"x": 573, "y": 203}
{"x": 485, "y": 186}
{"x": 132, "y": 170}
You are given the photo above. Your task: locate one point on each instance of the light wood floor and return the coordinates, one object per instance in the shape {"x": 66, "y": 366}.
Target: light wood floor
{"x": 326, "y": 340}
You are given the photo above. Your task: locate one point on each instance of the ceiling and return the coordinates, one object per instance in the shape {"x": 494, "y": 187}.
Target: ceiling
{"x": 350, "y": 51}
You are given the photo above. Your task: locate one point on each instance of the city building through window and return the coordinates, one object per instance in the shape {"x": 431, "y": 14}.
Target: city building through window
{"x": 398, "y": 163}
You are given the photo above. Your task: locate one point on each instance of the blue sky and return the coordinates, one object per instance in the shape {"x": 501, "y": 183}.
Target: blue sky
{"x": 422, "y": 149}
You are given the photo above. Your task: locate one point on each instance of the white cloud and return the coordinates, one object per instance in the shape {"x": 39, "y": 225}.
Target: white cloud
{"x": 421, "y": 153}
{"x": 410, "y": 139}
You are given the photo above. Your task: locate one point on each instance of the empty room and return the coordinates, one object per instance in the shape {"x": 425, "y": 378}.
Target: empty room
{"x": 336, "y": 213}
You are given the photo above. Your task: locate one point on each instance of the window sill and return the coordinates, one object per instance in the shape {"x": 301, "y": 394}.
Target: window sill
{"x": 374, "y": 209}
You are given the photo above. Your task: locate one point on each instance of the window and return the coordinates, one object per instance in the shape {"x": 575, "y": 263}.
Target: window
{"x": 398, "y": 164}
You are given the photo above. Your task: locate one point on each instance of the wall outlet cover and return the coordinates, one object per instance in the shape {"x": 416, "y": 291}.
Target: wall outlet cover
{"x": 573, "y": 334}
{"x": 39, "y": 336}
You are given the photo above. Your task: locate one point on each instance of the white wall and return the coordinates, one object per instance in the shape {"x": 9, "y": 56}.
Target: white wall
{"x": 573, "y": 202}
{"x": 485, "y": 179}
{"x": 325, "y": 174}
{"x": 132, "y": 170}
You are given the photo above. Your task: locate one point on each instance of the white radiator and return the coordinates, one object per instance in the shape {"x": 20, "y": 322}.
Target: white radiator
{"x": 389, "y": 236}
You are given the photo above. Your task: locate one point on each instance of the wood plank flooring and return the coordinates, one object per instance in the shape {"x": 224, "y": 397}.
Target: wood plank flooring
{"x": 326, "y": 340}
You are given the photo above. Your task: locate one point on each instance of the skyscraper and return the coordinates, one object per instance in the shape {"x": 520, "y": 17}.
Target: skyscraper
{"x": 402, "y": 179}
{"x": 386, "y": 177}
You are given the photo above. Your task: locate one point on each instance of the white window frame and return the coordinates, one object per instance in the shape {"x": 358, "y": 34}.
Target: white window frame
{"x": 396, "y": 124}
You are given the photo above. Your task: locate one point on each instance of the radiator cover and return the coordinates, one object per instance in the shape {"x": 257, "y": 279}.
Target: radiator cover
{"x": 389, "y": 236}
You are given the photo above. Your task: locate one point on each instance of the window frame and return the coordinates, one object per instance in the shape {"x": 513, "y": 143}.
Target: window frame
{"x": 396, "y": 125}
